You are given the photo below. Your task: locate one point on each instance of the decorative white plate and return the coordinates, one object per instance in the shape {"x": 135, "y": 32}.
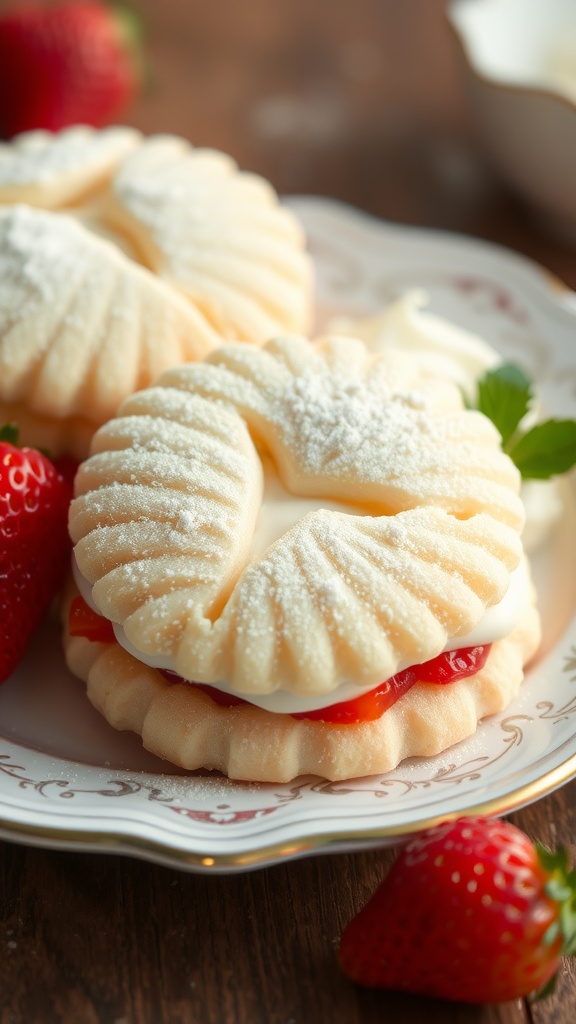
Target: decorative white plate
{"x": 68, "y": 780}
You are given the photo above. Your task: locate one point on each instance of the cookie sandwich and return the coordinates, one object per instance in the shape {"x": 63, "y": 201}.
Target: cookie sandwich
{"x": 298, "y": 559}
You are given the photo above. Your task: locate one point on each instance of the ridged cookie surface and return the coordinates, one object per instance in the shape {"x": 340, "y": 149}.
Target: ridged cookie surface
{"x": 56, "y": 169}
{"x": 169, "y": 502}
{"x": 215, "y": 233}
{"x": 81, "y": 325}
{"x": 147, "y": 253}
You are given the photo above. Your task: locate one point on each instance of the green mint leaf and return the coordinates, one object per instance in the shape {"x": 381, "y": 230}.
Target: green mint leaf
{"x": 546, "y": 450}
{"x": 504, "y": 395}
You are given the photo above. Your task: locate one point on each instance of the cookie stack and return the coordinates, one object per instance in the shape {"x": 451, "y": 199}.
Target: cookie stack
{"x": 291, "y": 556}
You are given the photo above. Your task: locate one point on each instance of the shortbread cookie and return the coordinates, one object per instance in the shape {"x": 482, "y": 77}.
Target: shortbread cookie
{"x": 217, "y": 235}
{"x": 184, "y": 725}
{"x": 81, "y": 327}
{"x": 54, "y": 170}
{"x": 294, "y": 525}
{"x": 197, "y": 252}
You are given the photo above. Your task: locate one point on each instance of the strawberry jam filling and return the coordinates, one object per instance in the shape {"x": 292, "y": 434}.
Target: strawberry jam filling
{"x": 83, "y": 621}
{"x": 445, "y": 668}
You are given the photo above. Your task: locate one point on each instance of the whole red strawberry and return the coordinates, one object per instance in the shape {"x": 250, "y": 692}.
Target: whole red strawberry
{"x": 471, "y": 910}
{"x": 64, "y": 64}
{"x": 34, "y": 544}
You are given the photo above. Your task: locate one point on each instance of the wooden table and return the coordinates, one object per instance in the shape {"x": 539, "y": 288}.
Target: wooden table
{"x": 362, "y": 102}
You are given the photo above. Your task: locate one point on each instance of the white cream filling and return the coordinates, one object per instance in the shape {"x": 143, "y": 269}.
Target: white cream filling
{"x": 496, "y": 623}
{"x": 280, "y": 510}
{"x": 442, "y": 348}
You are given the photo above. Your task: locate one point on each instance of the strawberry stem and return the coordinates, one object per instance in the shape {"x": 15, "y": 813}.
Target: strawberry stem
{"x": 129, "y": 25}
{"x": 9, "y": 433}
{"x": 560, "y": 887}
{"x": 546, "y": 990}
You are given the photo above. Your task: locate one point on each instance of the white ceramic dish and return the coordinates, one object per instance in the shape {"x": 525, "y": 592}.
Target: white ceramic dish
{"x": 68, "y": 780}
{"x": 519, "y": 66}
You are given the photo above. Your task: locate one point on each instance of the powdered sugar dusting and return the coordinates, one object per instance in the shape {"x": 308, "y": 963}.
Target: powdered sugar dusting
{"x": 81, "y": 325}
{"x": 216, "y": 233}
{"x": 187, "y": 520}
{"x": 41, "y": 257}
{"x": 41, "y": 157}
{"x": 165, "y": 187}
{"x": 346, "y": 425}
{"x": 334, "y": 424}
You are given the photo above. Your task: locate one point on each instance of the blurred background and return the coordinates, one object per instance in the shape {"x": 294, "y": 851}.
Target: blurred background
{"x": 360, "y": 97}
{"x": 362, "y": 100}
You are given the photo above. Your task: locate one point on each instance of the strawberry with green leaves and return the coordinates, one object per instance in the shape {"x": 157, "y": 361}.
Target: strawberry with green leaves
{"x": 471, "y": 911}
{"x": 34, "y": 543}
{"x": 65, "y": 63}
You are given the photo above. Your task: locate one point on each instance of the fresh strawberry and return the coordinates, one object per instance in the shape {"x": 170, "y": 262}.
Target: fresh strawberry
{"x": 67, "y": 467}
{"x": 65, "y": 64}
{"x": 471, "y": 910}
{"x": 34, "y": 544}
